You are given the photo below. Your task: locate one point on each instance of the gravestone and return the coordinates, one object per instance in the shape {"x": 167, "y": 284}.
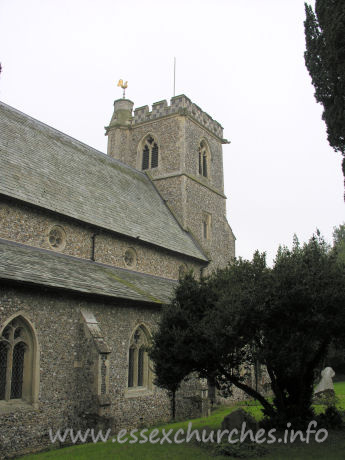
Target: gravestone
{"x": 237, "y": 418}
{"x": 325, "y": 387}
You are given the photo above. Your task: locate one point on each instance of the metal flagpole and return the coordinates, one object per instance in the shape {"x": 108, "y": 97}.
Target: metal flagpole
{"x": 174, "y": 73}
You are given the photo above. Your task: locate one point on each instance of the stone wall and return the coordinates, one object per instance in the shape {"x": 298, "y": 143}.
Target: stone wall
{"x": 194, "y": 134}
{"x": 29, "y": 225}
{"x": 178, "y": 130}
{"x": 220, "y": 246}
{"x": 169, "y": 134}
{"x": 66, "y": 398}
{"x": 192, "y": 199}
{"x": 68, "y": 356}
{"x": 179, "y": 105}
{"x": 172, "y": 190}
{"x": 178, "y": 138}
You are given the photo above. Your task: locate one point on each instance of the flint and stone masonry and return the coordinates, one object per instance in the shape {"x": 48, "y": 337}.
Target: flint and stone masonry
{"x": 91, "y": 247}
{"x": 178, "y": 130}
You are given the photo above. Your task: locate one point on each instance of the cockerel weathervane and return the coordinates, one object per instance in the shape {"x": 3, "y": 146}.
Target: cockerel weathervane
{"x": 123, "y": 86}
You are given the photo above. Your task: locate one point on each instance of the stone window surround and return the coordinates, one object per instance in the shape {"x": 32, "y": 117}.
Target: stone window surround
{"x": 57, "y": 229}
{"x": 140, "y": 151}
{"x": 206, "y": 226}
{"x": 130, "y": 257}
{"x": 135, "y": 344}
{"x": 30, "y": 389}
{"x": 204, "y": 159}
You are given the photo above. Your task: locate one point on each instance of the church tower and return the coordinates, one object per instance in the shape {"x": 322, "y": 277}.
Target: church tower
{"x": 180, "y": 148}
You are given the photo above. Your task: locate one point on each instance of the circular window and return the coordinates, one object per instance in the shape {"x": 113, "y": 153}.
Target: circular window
{"x": 130, "y": 257}
{"x": 57, "y": 238}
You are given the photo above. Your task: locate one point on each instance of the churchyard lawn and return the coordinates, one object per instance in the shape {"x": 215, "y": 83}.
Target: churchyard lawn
{"x": 332, "y": 449}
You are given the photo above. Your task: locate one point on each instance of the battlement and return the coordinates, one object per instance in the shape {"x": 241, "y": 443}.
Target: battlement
{"x": 178, "y": 105}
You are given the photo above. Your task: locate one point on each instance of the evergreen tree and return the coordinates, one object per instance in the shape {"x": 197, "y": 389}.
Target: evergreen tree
{"x": 325, "y": 61}
{"x": 339, "y": 242}
{"x": 285, "y": 317}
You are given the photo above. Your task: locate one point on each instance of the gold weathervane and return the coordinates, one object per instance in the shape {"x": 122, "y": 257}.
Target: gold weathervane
{"x": 123, "y": 86}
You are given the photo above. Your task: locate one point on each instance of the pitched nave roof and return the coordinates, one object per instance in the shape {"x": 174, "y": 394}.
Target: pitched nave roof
{"x": 44, "y": 167}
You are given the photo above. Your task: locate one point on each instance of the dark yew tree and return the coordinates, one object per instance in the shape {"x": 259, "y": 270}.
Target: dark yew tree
{"x": 192, "y": 338}
{"x": 325, "y": 61}
{"x": 285, "y": 317}
{"x": 302, "y": 315}
{"x": 339, "y": 242}
{"x": 336, "y": 355}
{"x": 175, "y": 338}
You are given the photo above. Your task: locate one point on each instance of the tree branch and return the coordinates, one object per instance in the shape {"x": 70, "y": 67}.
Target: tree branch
{"x": 321, "y": 350}
{"x": 249, "y": 390}
{"x": 275, "y": 387}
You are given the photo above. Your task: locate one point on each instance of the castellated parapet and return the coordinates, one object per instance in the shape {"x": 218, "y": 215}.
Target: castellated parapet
{"x": 193, "y": 191}
{"x": 181, "y": 105}
{"x": 91, "y": 247}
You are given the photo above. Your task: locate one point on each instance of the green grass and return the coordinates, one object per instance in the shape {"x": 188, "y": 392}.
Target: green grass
{"x": 332, "y": 449}
{"x": 339, "y": 388}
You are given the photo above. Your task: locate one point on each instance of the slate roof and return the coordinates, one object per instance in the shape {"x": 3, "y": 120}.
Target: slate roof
{"x": 47, "y": 168}
{"x": 46, "y": 268}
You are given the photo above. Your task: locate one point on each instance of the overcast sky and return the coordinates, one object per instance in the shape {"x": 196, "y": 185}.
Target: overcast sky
{"x": 240, "y": 61}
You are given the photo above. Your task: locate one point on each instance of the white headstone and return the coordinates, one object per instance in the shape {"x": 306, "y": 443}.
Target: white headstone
{"x": 326, "y": 382}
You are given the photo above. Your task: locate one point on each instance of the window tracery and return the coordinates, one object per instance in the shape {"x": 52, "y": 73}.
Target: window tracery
{"x": 16, "y": 361}
{"x": 149, "y": 153}
{"x": 57, "y": 238}
{"x": 139, "y": 372}
{"x": 204, "y": 157}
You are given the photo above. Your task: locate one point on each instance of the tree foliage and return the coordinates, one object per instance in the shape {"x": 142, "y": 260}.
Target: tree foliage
{"x": 336, "y": 354}
{"x": 325, "y": 61}
{"x": 339, "y": 242}
{"x": 285, "y": 317}
{"x": 174, "y": 339}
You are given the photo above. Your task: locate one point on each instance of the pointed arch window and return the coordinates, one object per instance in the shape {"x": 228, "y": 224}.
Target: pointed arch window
{"x": 17, "y": 362}
{"x": 204, "y": 159}
{"x": 149, "y": 153}
{"x": 139, "y": 372}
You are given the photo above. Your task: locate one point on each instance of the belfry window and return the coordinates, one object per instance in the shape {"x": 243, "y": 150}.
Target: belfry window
{"x": 149, "y": 153}
{"x": 139, "y": 373}
{"x": 203, "y": 159}
{"x": 16, "y": 361}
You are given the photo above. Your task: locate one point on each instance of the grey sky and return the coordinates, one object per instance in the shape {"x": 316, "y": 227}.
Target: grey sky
{"x": 241, "y": 62}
